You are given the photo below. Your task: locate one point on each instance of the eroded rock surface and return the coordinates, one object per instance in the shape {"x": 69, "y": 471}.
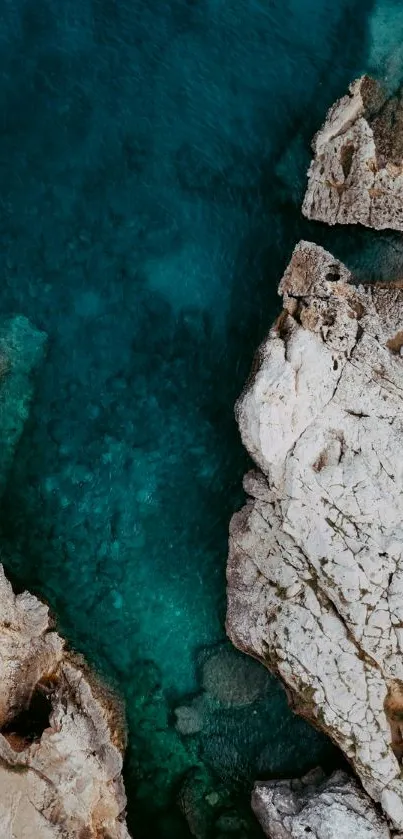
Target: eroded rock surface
{"x": 61, "y": 734}
{"x": 356, "y": 175}
{"x": 318, "y": 808}
{"x": 315, "y": 570}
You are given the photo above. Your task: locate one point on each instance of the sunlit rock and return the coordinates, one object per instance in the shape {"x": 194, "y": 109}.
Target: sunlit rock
{"x": 356, "y": 175}
{"x": 315, "y": 807}
{"x": 61, "y": 734}
{"x": 315, "y": 570}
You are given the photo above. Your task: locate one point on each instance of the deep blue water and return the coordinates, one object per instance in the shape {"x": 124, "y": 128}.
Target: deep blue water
{"x": 152, "y": 159}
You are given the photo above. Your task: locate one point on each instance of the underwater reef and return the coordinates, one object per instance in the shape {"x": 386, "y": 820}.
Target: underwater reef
{"x": 62, "y": 731}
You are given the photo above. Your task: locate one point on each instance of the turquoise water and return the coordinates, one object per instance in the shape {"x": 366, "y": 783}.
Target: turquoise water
{"x": 152, "y": 162}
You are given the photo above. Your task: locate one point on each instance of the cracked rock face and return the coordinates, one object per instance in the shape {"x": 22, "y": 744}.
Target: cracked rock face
{"x": 317, "y": 808}
{"x": 315, "y": 569}
{"x": 356, "y": 175}
{"x": 60, "y": 734}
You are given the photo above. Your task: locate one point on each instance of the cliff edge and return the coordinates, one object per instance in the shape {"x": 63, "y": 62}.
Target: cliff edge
{"x": 315, "y": 569}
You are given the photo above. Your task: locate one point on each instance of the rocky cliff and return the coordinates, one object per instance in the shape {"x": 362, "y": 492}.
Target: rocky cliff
{"x": 61, "y": 730}
{"x": 356, "y": 175}
{"x": 318, "y": 808}
{"x": 315, "y": 570}
{"x": 61, "y": 734}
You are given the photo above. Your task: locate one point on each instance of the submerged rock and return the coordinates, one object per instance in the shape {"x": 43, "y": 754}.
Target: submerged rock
{"x": 61, "y": 734}
{"x": 189, "y": 718}
{"x": 231, "y": 679}
{"x": 315, "y": 569}
{"x": 199, "y": 802}
{"x": 210, "y": 810}
{"x": 316, "y": 807}
{"x": 21, "y": 350}
{"x": 356, "y": 175}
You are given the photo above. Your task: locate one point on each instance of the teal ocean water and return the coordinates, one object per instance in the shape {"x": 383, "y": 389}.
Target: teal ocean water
{"x": 153, "y": 159}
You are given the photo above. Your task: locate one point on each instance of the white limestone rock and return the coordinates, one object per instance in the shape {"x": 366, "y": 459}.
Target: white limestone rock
{"x": 65, "y": 781}
{"x": 356, "y": 175}
{"x": 315, "y": 569}
{"x": 28, "y": 648}
{"x": 317, "y": 808}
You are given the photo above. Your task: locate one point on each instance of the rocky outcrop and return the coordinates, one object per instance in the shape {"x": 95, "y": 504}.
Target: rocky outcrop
{"x": 356, "y": 175}
{"x": 315, "y": 570}
{"x": 316, "y": 807}
{"x": 61, "y": 734}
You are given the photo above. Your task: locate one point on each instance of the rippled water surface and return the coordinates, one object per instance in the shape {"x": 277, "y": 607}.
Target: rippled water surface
{"x": 153, "y": 159}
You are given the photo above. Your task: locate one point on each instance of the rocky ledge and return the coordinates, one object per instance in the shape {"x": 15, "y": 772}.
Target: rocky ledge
{"x": 356, "y": 175}
{"x": 315, "y": 570}
{"x": 61, "y": 734}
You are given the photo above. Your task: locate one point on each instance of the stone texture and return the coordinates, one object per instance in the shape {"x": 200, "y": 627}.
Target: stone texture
{"x": 63, "y": 779}
{"x": 318, "y": 808}
{"x": 315, "y": 569}
{"x": 356, "y": 175}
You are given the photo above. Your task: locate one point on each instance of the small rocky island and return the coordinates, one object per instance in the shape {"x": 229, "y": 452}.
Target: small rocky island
{"x": 62, "y": 731}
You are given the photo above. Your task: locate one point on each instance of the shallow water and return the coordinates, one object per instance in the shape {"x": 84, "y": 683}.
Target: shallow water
{"x": 152, "y": 161}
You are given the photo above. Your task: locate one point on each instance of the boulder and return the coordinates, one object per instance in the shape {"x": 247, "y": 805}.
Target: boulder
{"x": 316, "y": 807}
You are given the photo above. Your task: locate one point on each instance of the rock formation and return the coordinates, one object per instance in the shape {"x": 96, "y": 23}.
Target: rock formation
{"x": 315, "y": 570}
{"x": 61, "y": 735}
{"x": 61, "y": 730}
{"x": 356, "y": 175}
{"x": 316, "y": 807}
